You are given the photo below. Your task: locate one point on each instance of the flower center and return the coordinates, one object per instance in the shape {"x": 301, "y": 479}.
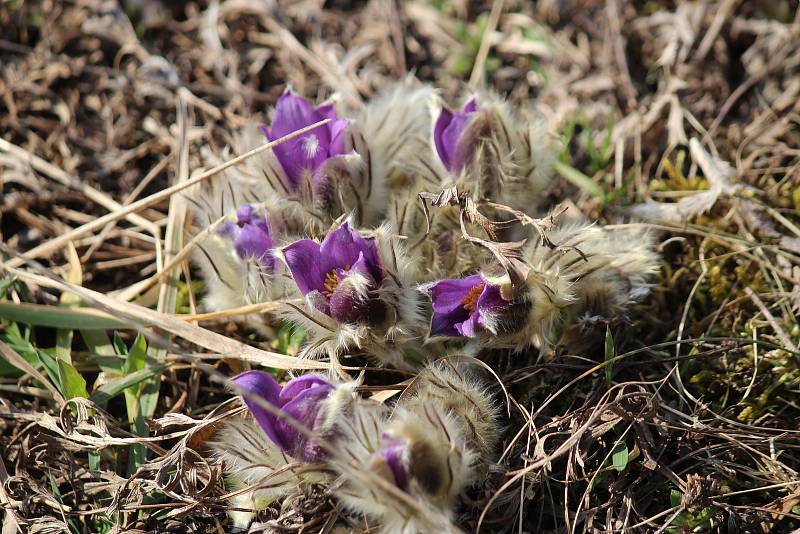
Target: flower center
{"x": 311, "y": 146}
{"x": 332, "y": 281}
{"x": 471, "y": 300}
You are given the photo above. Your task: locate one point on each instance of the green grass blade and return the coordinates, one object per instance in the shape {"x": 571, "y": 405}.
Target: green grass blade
{"x": 119, "y": 385}
{"x": 609, "y": 353}
{"x": 58, "y": 317}
{"x": 72, "y": 383}
{"x": 102, "y": 351}
{"x": 50, "y": 365}
{"x": 578, "y": 179}
{"x": 5, "y": 285}
{"x": 619, "y": 458}
{"x": 135, "y": 361}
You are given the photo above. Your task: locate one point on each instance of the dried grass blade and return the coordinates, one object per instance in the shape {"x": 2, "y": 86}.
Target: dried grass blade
{"x": 58, "y": 242}
{"x": 138, "y": 316}
{"x": 91, "y": 193}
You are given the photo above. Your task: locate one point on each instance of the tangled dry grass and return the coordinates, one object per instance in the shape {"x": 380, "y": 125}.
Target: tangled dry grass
{"x": 682, "y": 116}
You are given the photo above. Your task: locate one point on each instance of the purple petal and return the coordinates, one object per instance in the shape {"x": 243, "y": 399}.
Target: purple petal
{"x": 338, "y": 131}
{"x": 490, "y": 300}
{"x": 297, "y": 385}
{"x": 258, "y": 384}
{"x": 292, "y": 112}
{"x": 263, "y": 225}
{"x": 303, "y": 259}
{"x": 326, "y": 111}
{"x": 470, "y": 326}
{"x": 347, "y": 306}
{"x": 318, "y": 301}
{"x": 362, "y": 267}
{"x": 394, "y": 454}
{"x": 305, "y": 152}
{"x": 450, "y": 316}
{"x": 438, "y": 136}
{"x": 339, "y": 249}
{"x": 244, "y": 214}
{"x": 304, "y": 408}
{"x": 228, "y": 230}
{"x": 342, "y": 248}
{"x": 447, "y": 295}
{"x": 336, "y": 128}
{"x": 444, "y": 324}
{"x": 458, "y": 155}
{"x": 489, "y": 303}
{"x": 254, "y": 241}
{"x": 372, "y": 260}
{"x": 454, "y": 151}
{"x": 323, "y": 188}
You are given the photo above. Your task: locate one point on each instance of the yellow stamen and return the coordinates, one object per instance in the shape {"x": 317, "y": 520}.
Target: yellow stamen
{"x": 332, "y": 281}
{"x": 471, "y": 300}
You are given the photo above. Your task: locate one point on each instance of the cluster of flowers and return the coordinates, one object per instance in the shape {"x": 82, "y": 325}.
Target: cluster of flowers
{"x": 332, "y": 218}
{"x": 403, "y": 467}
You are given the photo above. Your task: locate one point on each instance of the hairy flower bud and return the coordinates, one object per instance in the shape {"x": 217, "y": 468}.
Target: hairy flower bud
{"x": 457, "y": 389}
{"x": 302, "y": 158}
{"x": 455, "y": 149}
{"x": 495, "y": 151}
{"x": 409, "y": 479}
{"x": 251, "y": 236}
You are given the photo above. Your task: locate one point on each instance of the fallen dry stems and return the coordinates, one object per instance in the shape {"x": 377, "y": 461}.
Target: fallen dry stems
{"x": 54, "y": 244}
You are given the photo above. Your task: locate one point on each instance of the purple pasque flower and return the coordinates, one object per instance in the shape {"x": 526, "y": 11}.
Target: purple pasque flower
{"x": 454, "y": 149}
{"x": 301, "y": 400}
{"x": 394, "y": 454}
{"x": 464, "y": 306}
{"x": 251, "y": 236}
{"x": 303, "y": 158}
{"x": 340, "y": 276}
